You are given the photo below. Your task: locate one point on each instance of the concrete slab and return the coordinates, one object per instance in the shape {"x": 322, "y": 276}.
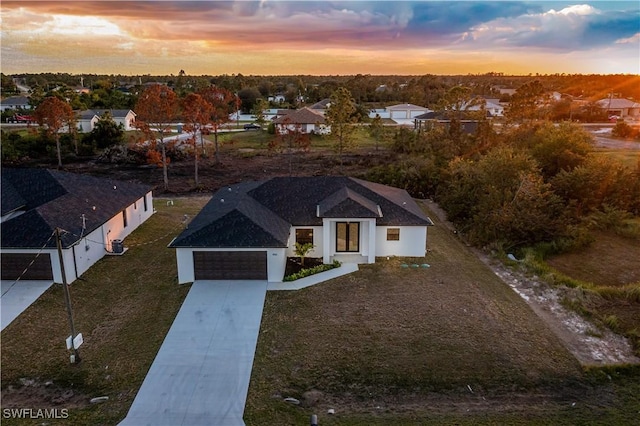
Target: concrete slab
{"x": 202, "y": 371}
{"x": 344, "y": 269}
{"x": 18, "y": 296}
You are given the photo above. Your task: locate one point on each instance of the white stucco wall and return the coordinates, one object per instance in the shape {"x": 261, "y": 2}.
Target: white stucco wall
{"x": 95, "y": 245}
{"x": 412, "y": 243}
{"x": 276, "y": 262}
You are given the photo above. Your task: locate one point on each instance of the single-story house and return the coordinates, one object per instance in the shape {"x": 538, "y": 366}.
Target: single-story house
{"x": 277, "y": 99}
{"x": 620, "y": 107}
{"x": 431, "y": 120}
{"x": 15, "y": 103}
{"x": 304, "y": 120}
{"x": 247, "y": 231}
{"x": 322, "y": 105}
{"x": 405, "y": 111}
{"x": 87, "y": 119}
{"x": 94, "y": 215}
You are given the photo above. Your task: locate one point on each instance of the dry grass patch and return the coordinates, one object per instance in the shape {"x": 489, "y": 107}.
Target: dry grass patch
{"x": 611, "y": 260}
{"x": 394, "y": 337}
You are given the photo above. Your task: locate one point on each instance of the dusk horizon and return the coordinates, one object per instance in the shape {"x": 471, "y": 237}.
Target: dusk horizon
{"x": 321, "y": 38}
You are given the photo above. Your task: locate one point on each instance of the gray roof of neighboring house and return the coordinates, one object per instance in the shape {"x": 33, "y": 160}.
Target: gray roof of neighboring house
{"x": 321, "y": 104}
{"x": 301, "y": 116}
{"x": 51, "y": 199}
{"x": 615, "y": 103}
{"x": 115, "y": 113}
{"x": 15, "y": 100}
{"x": 260, "y": 214}
{"x": 404, "y": 107}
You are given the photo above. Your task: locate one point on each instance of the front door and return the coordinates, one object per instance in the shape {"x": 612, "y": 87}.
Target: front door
{"x": 348, "y": 237}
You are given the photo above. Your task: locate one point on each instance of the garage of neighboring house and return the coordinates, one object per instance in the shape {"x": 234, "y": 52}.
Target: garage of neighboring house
{"x": 230, "y": 265}
{"x": 14, "y": 264}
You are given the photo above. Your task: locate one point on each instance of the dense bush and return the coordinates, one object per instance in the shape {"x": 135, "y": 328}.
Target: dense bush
{"x": 312, "y": 271}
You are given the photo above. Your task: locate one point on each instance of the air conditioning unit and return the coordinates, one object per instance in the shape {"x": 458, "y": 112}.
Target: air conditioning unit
{"x": 117, "y": 246}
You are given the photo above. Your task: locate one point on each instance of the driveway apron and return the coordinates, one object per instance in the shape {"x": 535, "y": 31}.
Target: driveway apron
{"x": 18, "y": 296}
{"x": 201, "y": 373}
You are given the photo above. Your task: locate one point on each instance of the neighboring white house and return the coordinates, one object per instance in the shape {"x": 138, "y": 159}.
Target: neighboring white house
{"x": 15, "y": 103}
{"x": 247, "y": 231}
{"x": 620, "y": 107}
{"x": 276, "y": 99}
{"x": 304, "y": 120}
{"x": 87, "y": 119}
{"x": 405, "y": 111}
{"x": 94, "y": 214}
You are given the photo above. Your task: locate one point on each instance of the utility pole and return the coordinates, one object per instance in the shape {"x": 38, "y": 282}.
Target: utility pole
{"x": 67, "y": 299}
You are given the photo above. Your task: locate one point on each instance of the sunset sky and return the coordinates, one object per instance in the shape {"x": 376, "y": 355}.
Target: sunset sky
{"x": 320, "y": 37}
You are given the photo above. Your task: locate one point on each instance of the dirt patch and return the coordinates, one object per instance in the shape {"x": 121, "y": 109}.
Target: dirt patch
{"x": 31, "y": 393}
{"x": 235, "y": 166}
{"x": 590, "y": 344}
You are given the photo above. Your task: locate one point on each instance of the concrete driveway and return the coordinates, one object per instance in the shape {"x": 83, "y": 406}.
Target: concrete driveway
{"x": 201, "y": 373}
{"x": 18, "y": 296}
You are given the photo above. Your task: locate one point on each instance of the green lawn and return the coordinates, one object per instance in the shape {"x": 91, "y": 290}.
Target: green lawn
{"x": 630, "y": 158}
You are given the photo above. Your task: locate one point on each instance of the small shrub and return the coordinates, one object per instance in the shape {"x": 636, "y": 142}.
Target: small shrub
{"x": 612, "y": 322}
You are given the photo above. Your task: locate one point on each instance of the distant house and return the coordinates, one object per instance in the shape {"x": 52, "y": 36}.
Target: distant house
{"x": 321, "y": 105}
{"x": 94, "y": 215}
{"x": 405, "y": 111}
{"x": 620, "y": 107}
{"x": 247, "y": 231}
{"x": 304, "y": 120}
{"x": 277, "y": 99}
{"x": 87, "y": 119}
{"x": 15, "y": 103}
{"x": 432, "y": 120}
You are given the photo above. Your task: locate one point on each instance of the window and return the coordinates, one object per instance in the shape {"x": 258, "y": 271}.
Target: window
{"x": 304, "y": 235}
{"x": 145, "y": 202}
{"x": 347, "y": 236}
{"x": 393, "y": 234}
{"x": 124, "y": 218}
{"x": 135, "y": 205}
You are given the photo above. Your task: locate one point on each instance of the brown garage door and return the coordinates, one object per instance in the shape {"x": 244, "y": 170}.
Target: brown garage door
{"x": 14, "y": 264}
{"x": 230, "y": 265}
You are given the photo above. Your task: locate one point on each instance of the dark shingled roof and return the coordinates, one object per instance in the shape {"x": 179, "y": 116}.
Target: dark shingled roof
{"x": 260, "y": 214}
{"x": 52, "y": 199}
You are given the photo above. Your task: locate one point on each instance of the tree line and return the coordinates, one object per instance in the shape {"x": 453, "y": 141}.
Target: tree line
{"x": 535, "y": 183}
{"x": 121, "y": 91}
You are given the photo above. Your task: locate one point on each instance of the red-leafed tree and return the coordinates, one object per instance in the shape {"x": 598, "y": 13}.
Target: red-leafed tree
{"x": 223, "y": 103}
{"x": 196, "y": 113}
{"x": 53, "y": 114}
{"x": 156, "y": 110}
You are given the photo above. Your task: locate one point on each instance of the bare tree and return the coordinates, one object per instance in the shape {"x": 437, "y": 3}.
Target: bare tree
{"x": 196, "y": 112}
{"x": 290, "y": 137}
{"x": 156, "y": 110}
{"x": 223, "y": 103}
{"x": 340, "y": 117}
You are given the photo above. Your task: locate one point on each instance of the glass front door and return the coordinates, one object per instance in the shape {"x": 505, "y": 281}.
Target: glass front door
{"x": 348, "y": 236}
